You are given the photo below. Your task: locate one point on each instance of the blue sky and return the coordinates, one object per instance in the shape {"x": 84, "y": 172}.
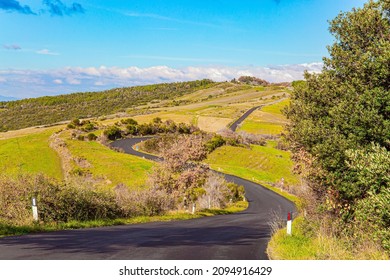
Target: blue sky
{"x": 52, "y": 47}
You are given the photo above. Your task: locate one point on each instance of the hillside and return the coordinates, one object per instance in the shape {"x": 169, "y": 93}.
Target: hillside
{"x": 51, "y": 109}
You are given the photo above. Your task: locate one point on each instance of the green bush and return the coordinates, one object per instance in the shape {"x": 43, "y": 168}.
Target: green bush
{"x": 129, "y": 121}
{"x": 113, "y": 133}
{"x": 89, "y": 126}
{"x": 132, "y": 129}
{"x": 91, "y": 137}
{"x": 237, "y": 192}
{"x": 215, "y": 142}
{"x": 372, "y": 216}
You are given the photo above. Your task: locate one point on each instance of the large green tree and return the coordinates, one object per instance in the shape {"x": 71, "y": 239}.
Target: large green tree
{"x": 345, "y": 109}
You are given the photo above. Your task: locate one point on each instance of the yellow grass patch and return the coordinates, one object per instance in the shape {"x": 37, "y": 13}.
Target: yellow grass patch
{"x": 212, "y": 124}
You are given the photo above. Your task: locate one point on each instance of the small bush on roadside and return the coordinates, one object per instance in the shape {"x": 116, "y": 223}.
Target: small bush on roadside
{"x": 113, "y": 133}
{"x": 91, "y": 137}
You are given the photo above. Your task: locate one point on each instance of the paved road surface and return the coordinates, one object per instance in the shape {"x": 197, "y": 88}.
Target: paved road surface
{"x": 234, "y": 125}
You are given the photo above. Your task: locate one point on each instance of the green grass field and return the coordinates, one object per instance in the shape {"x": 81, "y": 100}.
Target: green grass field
{"x": 277, "y": 107}
{"x": 269, "y": 120}
{"x": 256, "y": 127}
{"x": 110, "y": 166}
{"x": 266, "y": 165}
{"x": 30, "y": 154}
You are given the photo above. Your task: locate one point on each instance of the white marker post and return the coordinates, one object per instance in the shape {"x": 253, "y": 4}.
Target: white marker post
{"x": 34, "y": 209}
{"x": 289, "y": 218}
{"x": 193, "y": 208}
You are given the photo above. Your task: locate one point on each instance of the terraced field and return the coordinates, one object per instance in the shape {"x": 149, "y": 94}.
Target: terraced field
{"x": 211, "y": 109}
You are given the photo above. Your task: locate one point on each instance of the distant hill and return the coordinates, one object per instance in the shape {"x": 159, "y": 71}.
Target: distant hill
{"x": 7, "y": 98}
{"x": 51, "y": 109}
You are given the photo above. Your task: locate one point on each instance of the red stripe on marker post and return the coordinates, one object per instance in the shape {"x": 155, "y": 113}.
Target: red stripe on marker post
{"x": 289, "y": 218}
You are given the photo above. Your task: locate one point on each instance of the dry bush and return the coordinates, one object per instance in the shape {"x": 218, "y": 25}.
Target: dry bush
{"x": 15, "y": 199}
{"x": 181, "y": 150}
{"x": 57, "y": 202}
{"x": 144, "y": 202}
{"x": 217, "y": 192}
{"x": 248, "y": 138}
{"x": 277, "y": 220}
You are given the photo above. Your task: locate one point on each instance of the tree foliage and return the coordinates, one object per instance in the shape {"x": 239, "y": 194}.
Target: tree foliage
{"x": 340, "y": 125}
{"x": 347, "y": 106}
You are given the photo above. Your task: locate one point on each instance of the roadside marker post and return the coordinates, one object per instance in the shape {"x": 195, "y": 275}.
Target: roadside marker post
{"x": 193, "y": 208}
{"x": 35, "y": 209}
{"x": 289, "y": 218}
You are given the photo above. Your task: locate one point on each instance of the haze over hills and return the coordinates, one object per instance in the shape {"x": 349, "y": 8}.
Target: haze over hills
{"x": 7, "y": 98}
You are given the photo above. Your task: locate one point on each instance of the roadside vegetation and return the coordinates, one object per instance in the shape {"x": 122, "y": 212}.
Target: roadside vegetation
{"x": 339, "y": 133}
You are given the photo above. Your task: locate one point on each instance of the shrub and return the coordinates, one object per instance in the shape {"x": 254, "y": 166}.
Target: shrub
{"x": 113, "y": 133}
{"x": 91, "y": 137}
{"x": 215, "y": 142}
{"x": 372, "y": 217}
{"x": 129, "y": 121}
{"x": 76, "y": 122}
{"x": 157, "y": 120}
{"x": 56, "y": 201}
{"x": 131, "y": 129}
{"x": 89, "y": 127}
{"x": 146, "y": 129}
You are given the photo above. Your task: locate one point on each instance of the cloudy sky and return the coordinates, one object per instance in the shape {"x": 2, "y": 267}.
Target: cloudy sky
{"x": 52, "y": 47}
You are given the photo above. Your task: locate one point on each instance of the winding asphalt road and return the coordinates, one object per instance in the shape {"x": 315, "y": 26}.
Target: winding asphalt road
{"x": 241, "y": 236}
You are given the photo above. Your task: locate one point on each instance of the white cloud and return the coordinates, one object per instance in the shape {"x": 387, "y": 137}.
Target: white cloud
{"x": 31, "y": 83}
{"x": 46, "y": 52}
{"x": 73, "y": 81}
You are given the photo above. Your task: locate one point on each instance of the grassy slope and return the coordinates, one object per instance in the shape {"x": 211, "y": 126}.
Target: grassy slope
{"x": 51, "y": 109}
{"x": 263, "y": 164}
{"x": 31, "y": 154}
{"x": 113, "y": 167}
{"x": 301, "y": 245}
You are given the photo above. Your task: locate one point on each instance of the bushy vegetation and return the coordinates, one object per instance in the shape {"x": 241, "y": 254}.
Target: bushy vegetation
{"x": 130, "y": 127}
{"x": 51, "y": 109}
{"x": 340, "y": 127}
{"x": 188, "y": 182}
{"x": 252, "y": 81}
{"x": 62, "y": 202}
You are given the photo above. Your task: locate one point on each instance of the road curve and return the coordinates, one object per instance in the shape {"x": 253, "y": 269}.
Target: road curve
{"x": 236, "y": 123}
{"x": 239, "y": 236}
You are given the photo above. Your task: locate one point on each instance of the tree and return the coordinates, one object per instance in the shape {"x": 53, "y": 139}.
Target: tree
{"x": 345, "y": 108}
